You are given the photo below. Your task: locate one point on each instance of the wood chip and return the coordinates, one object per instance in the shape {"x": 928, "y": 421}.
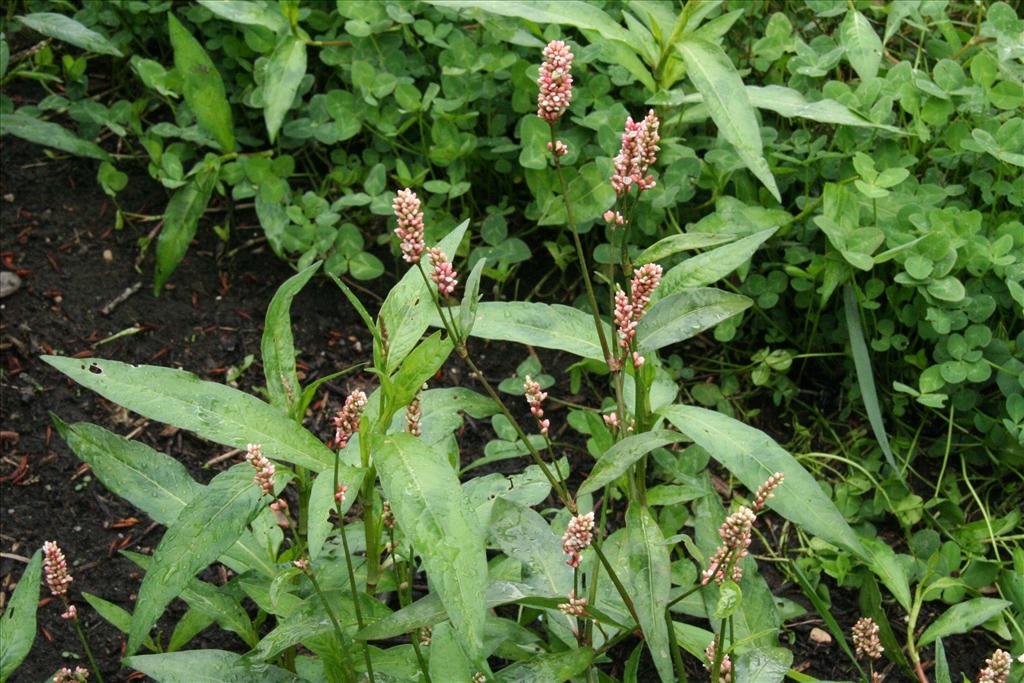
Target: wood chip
{"x": 820, "y": 636}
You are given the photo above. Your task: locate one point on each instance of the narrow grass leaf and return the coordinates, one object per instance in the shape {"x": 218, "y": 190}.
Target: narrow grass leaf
{"x": 51, "y": 135}
{"x": 18, "y": 622}
{"x": 277, "y": 346}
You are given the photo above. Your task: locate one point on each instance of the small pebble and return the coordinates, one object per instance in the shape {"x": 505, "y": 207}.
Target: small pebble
{"x": 9, "y": 283}
{"x": 820, "y": 636}
{"x": 108, "y": 255}
{"x": 9, "y": 197}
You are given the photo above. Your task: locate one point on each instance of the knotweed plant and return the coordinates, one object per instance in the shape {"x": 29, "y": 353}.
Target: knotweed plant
{"x": 374, "y": 552}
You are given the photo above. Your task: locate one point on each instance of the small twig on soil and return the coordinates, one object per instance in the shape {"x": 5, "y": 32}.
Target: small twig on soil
{"x": 121, "y": 298}
{"x": 221, "y": 458}
{"x": 17, "y": 558}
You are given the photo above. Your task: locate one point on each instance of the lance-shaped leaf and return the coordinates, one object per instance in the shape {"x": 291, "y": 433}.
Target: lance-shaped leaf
{"x": 208, "y": 666}
{"x": 711, "y": 266}
{"x": 70, "y": 31}
{"x": 18, "y": 622}
{"x": 435, "y": 515}
{"x": 614, "y": 462}
{"x": 863, "y": 47}
{"x": 578, "y": 13}
{"x": 202, "y": 85}
{"x": 247, "y": 12}
{"x": 962, "y": 617}
{"x": 181, "y": 219}
{"x": 278, "y": 346}
{"x": 284, "y": 74}
{"x": 447, "y": 660}
{"x": 687, "y": 241}
{"x": 753, "y": 456}
{"x": 549, "y": 668}
{"x": 214, "y": 411}
{"x": 649, "y": 575}
{"x": 206, "y": 528}
{"x": 321, "y": 502}
{"x": 51, "y": 135}
{"x": 686, "y": 314}
{"x": 715, "y": 77}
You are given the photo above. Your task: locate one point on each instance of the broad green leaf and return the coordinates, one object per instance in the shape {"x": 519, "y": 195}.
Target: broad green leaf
{"x": 763, "y": 665}
{"x": 246, "y": 12}
{"x": 752, "y": 456}
{"x": 310, "y": 619}
{"x": 614, "y": 462}
{"x": 181, "y": 219}
{"x": 447, "y": 660}
{"x": 284, "y": 74}
{"x": 408, "y": 308}
{"x": 883, "y": 562}
{"x": 548, "y": 668}
{"x": 435, "y": 516}
{"x": 711, "y": 266}
{"x": 522, "y": 533}
{"x": 962, "y": 617}
{"x": 207, "y": 666}
{"x": 70, "y": 31}
{"x": 192, "y": 623}
{"x": 155, "y": 483}
{"x": 420, "y": 365}
{"x": 321, "y": 502}
{"x": 213, "y": 411}
{"x": 207, "y": 527}
{"x": 578, "y": 13}
{"x": 862, "y": 45}
{"x": 715, "y": 77}
{"x": 202, "y": 85}
{"x": 673, "y": 244}
{"x": 535, "y": 134}
{"x": 790, "y": 102}
{"x": 18, "y": 622}
{"x": 51, "y": 135}
{"x": 865, "y": 376}
{"x": 277, "y": 346}
{"x": 648, "y": 574}
{"x": 549, "y": 326}
{"x": 686, "y": 314}
{"x": 428, "y": 611}
{"x": 693, "y": 639}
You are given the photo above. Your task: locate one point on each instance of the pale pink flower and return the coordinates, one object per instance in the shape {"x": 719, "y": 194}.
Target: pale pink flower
{"x": 70, "y": 613}
{"x": 339, "y": 494}
{"x": 865, "y": 638}
{"x": 997, "y": 668}
{"x": 637, "y": 154}
{"x": 558, "y": 148}
{"x": 575, "y": 607}
{"x": 577, "y": 537}
{"x": 735, "y": 535}
{"x": 279, "y": 505}
{"x": 55, "y": 568}
{"x": 444, "y": 275}
{"x": 346, "y": 422}
{"x": 301, "y": 563}
{"x": 614, "y": 217}
{"x": 645, "y": 280}
{"x": 612, "y": 420}
{"x": 629, "y": 310}
{"x": 413, "y": 416}
{"x": 535, "y": 397}
{"x": 387, "y": 515}
{"x": 555, "y": 81}
{"x": 767, "y": 490}
{"x": 66, "y": 675}
{"x": 624, "y": 318}
{"x": 724, "y": 669}
{"x": 264, "y": 468}
{"x": 410, "y": 225}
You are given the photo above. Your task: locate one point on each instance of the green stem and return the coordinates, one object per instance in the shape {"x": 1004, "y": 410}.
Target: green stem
{"x": 85, "y": 645}
{"x": 615, "y": 580}
{"x": 348, "y": 566}
{"x": 346, "y": 660}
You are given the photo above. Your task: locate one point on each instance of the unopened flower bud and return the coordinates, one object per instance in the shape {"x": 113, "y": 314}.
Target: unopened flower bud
{"x": 865, "y": 638}
{"x": 555, "y": 81}
{"x": 56, "y": 569}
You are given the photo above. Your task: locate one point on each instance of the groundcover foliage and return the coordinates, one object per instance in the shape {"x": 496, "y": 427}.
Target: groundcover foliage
{"x": 799, "y": 180}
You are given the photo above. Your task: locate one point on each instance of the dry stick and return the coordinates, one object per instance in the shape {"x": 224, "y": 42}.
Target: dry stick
{"x": 121, "y": 298}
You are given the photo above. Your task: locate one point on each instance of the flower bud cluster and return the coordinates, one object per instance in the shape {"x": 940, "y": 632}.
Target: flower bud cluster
{"x": 724, "y": 669}
{"x": 629, "y": 310}
{"x": 575, "y": 607}
{"x": 997, "y": 668}
{"x": 558, "y": 148}
{"x": 865, "y": 638}
{"x": 66, "y": 675}
{"x": 444, "y": 275}
{"x": 414, "y": 414}
{"x": 264, "y": 468}
{"x": 346, "y": 422}
{"x": 638, "y": 152}
{"x": 555, "y": 81}
{"x": 577, "y": 537}
{"x": 534, "y": 396}
{"x": 55, "y": 568}
{"x": 614, "y": 217}
{"x": 767, "y": 490}
{"x": 735, "y": 535}
{"x": 410, "y": 225}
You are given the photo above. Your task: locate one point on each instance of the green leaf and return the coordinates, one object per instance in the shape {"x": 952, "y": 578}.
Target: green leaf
{"x": 202, "y": 85}
{"x": 448, "y": 662}
{"x": 711, "y": 266}
{"x": 614, "y": 462}
{"x": 576, "y": 13}
{"x": 790, "y": 102}
{"x": 471, "y": 299}
{"x": 309, "y": 620}
{"x": 419, "y": 366}
{"x": 321, "y": 502}
{"x": 408, "y": 308}
{"x": 962, "y": 617}
{"x": 673, "y": 244}
{"x": 246, "y": 12}
{"x": 181, "y": 219}
{"x": 715, "y": 77}
{"x": 207, "y": 527}
{"x": 115, "y": 615}
{"x": 435, "y": 515}
{"x": 365, "y": 266}
{"x": 192, "y": 623}
{"x": 824, "y": 612}
{"x": 277, "y": 346}
{"x": 763, "y": 665}
{"x": 686, "y": 314}
{"x": 649, "y": 576}
{"x": 70, "y": 31}
{"x": 284, "y": 74}
{"x": 947, "y": 289}
{"x": 207, "y": 666}
{"x": 155, "y": 483}
{"x": 883, "y": 562}
{"x": 941, "y": 663}
{"x": 863, "y": 47}
{"x": 534, "y": 134}
{"x": 752, "y": 456}
{"x": 213, "y": 411}
{"x": 549, "y": 668}
{"x": 51, "y": 135}
{"x": 549, "y": 326}
{"x": 865, "y": 377}
{"x": 18, "y": 622}
{"x": 522, "y": 533}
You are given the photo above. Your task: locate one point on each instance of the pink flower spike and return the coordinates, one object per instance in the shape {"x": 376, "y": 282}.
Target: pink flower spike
{"x": 555, "y": 81}
{"x": 56, "y": 569}
{"x": 444, "y": 275}
{"x": 66, "y": 675}
{"x": 637, "y": 154}
{"x": 575, "y": 607}
{"x": 339, "y": 495}
{"x": 410, "y": 225}
{"x": 624, "y": 319}
{"x": 577, "y": 537}
{"x": 997, "y": 668}
{"x": 613, "y": 217}
{"x": 535, "y": 397}
{"x": 645, "y": 280}
{"x": 724, "y": 668}
{"x": 559, "y": 148}
{"x": 346, "y": 422}
{"x": 767, "y": 490}
{"x": 413, "y": 415}
{"x": 264, "y": 468}
{"x": 70, "y": 613}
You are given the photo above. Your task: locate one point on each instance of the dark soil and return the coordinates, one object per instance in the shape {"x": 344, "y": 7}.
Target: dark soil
{"x": 58, "y": 236}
